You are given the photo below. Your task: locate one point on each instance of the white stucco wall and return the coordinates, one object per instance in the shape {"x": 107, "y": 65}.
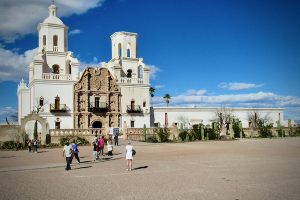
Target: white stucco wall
{"x": 49, "y": 89}
{"x": 206, "y": 115}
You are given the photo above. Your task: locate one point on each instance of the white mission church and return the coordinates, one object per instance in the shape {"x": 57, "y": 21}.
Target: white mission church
{"x": 115, "y": 95}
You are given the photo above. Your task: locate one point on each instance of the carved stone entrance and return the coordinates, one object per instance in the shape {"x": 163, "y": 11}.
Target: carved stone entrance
{"x": 42, "y": 121}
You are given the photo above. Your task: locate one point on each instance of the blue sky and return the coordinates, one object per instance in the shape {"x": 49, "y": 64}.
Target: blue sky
{"x": 234, "y": 53}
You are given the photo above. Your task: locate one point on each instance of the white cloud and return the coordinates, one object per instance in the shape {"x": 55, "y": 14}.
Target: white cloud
{"x": 75, "y": 32}
{"x": 239, "y": 86}
{"x": 159, "y": 86}
{"x": 14, "y": 66}
{"x": 7, "y": 112}
{"x": 195, "y": 92}
{"x": 153, "y": 71}
{"x": 94, "y": 63}
{"x": 18, "y": 18}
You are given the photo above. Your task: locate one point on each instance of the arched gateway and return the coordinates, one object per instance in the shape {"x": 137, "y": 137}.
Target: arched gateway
{"x": 42, "y": 121}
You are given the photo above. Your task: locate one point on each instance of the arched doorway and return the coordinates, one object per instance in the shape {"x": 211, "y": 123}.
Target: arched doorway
{"x": 97, "y": 124}
{"x": 41, "y": 126}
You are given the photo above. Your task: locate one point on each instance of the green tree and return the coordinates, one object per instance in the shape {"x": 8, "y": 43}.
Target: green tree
{"x": 167, "y": 98}
{"x": 236, "y": 127}
{"x": 261, "y": 124}
{"x": 151, "y": 91}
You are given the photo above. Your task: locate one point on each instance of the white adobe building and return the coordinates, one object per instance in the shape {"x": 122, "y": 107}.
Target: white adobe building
{"x": 54, "y": 71}
{"x": 52, "y": 74}
{"x": 188, "y": 116}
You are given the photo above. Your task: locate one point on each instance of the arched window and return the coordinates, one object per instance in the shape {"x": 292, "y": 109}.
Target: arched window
{"x": 120, "y": 50}
{"x": 57, "y": 123}
{"x": 140, "y": 72}
{"x": 129, "y": 73}
{"x": 44, "y": 40}
{"x": 41, "y": 101}
{"x": 55, "y": 40}
{"x": 128, "y": 53}
{"x": 55, "y": 69}
{"x": 70, "y": 69}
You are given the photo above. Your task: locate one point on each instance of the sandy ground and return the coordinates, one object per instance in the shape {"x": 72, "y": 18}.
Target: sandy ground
{"x": 231, "y": 170}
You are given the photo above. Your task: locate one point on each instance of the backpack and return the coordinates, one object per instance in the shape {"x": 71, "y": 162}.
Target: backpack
{"x": 133, "y": 152}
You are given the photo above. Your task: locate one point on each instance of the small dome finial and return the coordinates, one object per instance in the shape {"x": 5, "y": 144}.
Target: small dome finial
{"x": 52, "y": 9}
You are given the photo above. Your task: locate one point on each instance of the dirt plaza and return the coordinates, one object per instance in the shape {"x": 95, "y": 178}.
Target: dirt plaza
{"x": 237, "y": 170}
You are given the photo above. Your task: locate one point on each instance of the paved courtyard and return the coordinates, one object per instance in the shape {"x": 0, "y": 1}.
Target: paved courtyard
{"x": 231, "y": 170}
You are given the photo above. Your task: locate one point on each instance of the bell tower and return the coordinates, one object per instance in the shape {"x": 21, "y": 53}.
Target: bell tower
{"x": 124, "y": 45}
{"x": 53, "y": 34}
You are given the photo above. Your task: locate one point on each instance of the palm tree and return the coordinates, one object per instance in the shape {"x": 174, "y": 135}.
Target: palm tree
{"x": 167, "y": 98}
{"x": 151, "y": 90}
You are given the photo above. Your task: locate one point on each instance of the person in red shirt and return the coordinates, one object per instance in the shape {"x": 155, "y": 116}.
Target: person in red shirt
{"x": 101, "y": 145}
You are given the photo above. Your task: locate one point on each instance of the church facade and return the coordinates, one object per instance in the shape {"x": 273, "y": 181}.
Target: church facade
{"x": 113, "y": 95}
{"x": 96, "y": 100}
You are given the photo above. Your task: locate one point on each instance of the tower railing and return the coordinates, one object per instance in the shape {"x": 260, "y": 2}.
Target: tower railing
{"x": 58, "y": 108}
{"x": 98, "y": 107}
{"x": 134, "y": 109}
{"x": 51, "y": 76}
{"x": 131, "y": 80}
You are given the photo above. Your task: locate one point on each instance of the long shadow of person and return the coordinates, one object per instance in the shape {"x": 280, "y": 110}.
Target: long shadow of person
{"x": 143, "y": 167}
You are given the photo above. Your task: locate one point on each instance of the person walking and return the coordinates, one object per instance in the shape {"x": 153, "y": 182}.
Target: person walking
{"x": 75, "y": 151}
{"x": 67, "y": 152}
{"x": 34, "y": 142}
{"x": 129, "y": 156}
{"x": 94, "y": 144}
{"x": 101, "y": 145}
{"x": 109, "y": 147}
{"x": 116, "y": 138}
{"x": 29, "y": 145}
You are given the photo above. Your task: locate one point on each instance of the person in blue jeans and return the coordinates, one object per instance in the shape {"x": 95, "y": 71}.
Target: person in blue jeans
{"x": 75, "y": 151}
{"x": 67, "y": 152}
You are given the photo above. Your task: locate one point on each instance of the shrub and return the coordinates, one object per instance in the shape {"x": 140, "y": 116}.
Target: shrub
{"x": 78, "y": 140}
{"x": 12, "y": 145}
{"x": 280, "y": 132}
{"x": 264, "y": 129}
{"x": 81, "y": 141}
{"x": 182, "y": 135}
{"x": 152, "y": 139}
{"x": 196, "y": 132}
{"x": 236, "y": 128}
{"x": 163, "y": 134}
{"x": 9, "y": 145}
{"x": 211, "y": 133}
{"x": 297, "y": 130}
{"x": 64, "y": 140}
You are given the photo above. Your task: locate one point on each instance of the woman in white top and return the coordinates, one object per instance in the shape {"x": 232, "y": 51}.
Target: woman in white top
{"x": 129, "y": 156}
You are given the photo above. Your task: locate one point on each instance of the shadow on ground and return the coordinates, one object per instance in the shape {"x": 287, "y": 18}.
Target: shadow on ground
{"x": 143, "y": 167}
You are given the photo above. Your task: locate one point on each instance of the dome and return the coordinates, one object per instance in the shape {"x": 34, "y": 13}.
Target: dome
{"x": 53, "y": 20}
